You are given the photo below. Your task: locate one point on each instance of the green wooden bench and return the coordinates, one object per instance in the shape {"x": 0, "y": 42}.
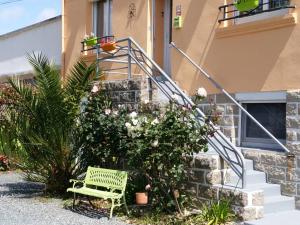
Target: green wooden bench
{"x": 102, "y": 183}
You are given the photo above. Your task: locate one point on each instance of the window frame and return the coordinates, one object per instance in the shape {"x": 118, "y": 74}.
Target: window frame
{"x": 107, "y": 17}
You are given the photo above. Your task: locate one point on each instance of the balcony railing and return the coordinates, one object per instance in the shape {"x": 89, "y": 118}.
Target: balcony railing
{"x": 229, "y": 11}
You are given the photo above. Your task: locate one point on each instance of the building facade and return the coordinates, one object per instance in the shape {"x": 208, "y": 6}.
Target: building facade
{"x": 43, "y": 37}
{"x": 253, "y": 55}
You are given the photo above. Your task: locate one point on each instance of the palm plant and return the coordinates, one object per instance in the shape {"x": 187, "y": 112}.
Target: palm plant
{"x": 39, "y": 122}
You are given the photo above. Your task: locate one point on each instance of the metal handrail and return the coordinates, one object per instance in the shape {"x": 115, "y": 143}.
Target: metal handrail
{"x": 218, "y": 141}
{"x": 218, "y": 86}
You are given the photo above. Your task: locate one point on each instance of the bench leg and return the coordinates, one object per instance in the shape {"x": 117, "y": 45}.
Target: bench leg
{"x": 74, "y": 199}
{"x": 112, "y": 208}
{"x": 126, "y": 208}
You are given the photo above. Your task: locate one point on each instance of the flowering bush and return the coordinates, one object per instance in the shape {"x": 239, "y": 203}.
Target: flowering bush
{"x": 103, "y": 135}
{"x": 161, "y": 144}
{"x": 4, "y": 163}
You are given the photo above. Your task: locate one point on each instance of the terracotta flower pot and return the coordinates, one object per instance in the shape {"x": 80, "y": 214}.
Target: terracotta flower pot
{"x": 141, "y": 198}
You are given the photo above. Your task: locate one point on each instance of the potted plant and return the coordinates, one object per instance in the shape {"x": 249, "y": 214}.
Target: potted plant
{"x": 108, "y": 43}
{"x": 141, "y": 198}
{"x": 246, "y": 5}
{"x": 90, "y": 40}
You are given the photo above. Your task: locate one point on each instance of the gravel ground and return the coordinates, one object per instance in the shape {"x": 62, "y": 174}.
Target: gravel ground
{"x": 21, "y": 203}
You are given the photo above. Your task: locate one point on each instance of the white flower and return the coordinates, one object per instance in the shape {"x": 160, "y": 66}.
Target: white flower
{"x": 92, "y": 34}
{"x": 135, "y": 122}
{"x": 146, "y": 101}
{"x": 115, "y": 112}
{"x": 145, "y": 119}
{"x": 148, "y": 187}
{"x": 155, "y": 143}
{"x": 133, "y": 114}
{"x": 201, "y": 92}
{"x": 175, "y": 97}
{"x": 156, "y": 121}
{"x": 95, "y": 89}
{"x": 107, "y": 111}
{"x": 128, "y": 125}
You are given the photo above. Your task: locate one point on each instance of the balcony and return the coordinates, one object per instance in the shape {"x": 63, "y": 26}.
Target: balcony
{"x": 265, "y": 9}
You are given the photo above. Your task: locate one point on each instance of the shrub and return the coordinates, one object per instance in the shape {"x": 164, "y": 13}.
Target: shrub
{"x": 103, "y": 135}
{"x": 161, "y": 145}
{"x": 39, "y": 121}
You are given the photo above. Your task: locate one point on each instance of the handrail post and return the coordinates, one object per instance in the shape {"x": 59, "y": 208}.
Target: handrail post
{"x": 129, "y": 59}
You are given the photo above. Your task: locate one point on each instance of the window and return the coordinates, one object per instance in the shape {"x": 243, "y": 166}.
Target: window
{"x": 102, "y": 18}
{"x": 266, "y": 9}
{"x": 272, "y": 116}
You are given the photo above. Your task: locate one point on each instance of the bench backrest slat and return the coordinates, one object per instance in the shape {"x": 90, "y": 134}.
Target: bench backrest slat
{"x": 113, "y": 179}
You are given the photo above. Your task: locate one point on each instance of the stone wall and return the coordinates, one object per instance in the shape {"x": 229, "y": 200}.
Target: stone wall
{"x": 227, "y": 113}
{"x": 127, "y": 92}
{"x": 206, "y": 174}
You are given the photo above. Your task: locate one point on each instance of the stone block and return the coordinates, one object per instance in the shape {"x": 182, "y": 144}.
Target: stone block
{"x": 258, "y": 198}
{"x": 276, "y": 173}
{"x": 197, "y": 176}
{"x": 291, "y": 109}
{"x": 298, "y": 162}
{"x": 291, "y": 135}
{"x": 249, "y": 213}
{"x": 292, "y": 122}
{"x": 207, "y": 161}
{"x": 293, "y": 96}
{"x": 207, "y": 192}
{"x": 213, "y": 177}
{"x": 281, "y": 160}
{"x": 232, "y": 110}
{"x": 239, "y": 198}
{"x": 230, "y": 132}
{"x": 229, "y": 121}
{"x": 293, "y": 147}
{"x": 268, "y": 159}
{"x": 192, "y": 188}
{"x": 288, "y": 188}
{"x": 220, "y": 109}
{"x": 127, "y": 96}
{"x": 253, "y": 155}
{"x": 298, "y": 190}
{"x": 134, "y": 85}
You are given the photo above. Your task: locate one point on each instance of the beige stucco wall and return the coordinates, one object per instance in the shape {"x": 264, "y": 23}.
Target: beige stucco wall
{"x": 263, "y": 60}
{"x": 77, "y": 17}
{"x": 260, "y": 61}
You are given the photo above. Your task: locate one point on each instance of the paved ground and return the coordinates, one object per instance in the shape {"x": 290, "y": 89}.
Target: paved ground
{"x": 21, "y": 203}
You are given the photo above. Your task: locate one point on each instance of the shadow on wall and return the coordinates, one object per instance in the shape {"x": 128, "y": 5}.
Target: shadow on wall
{"x": 248, "y": 60}
{"x": 243, "y": 60}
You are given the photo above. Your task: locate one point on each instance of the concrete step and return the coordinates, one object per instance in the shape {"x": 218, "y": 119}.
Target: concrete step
{"x": 252, "y": 177}
{"x": 274, "y": 204}
{"x": 281, "y": 218}
{"x": 249, "y": 164}
{"x": 269, "y": 189}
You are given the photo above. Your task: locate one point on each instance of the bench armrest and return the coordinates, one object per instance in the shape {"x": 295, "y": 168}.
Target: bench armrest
{"x": 76, "y": 182}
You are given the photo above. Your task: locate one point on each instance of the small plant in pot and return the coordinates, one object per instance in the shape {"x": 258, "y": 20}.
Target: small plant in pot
{"x": 90, "y": 40}
{"x": 141, "y": 198}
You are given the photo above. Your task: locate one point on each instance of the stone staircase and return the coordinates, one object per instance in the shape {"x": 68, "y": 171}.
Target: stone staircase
{"x": 278, "y": 209}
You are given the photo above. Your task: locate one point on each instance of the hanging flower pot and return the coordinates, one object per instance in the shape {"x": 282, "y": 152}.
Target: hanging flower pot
{"x": 91, "y": 41}
{"x": 246, "y": 5}
{"x": 108, "y": 43}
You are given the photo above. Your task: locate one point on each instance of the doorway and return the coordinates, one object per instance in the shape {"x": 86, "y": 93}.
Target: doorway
{"x": 162, "y": 33}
